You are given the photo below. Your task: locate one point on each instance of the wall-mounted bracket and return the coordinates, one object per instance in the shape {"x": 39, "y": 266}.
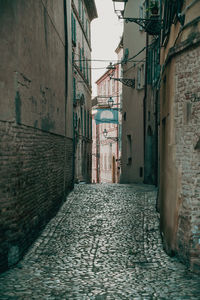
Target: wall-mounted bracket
{"x": 126, "y": 81}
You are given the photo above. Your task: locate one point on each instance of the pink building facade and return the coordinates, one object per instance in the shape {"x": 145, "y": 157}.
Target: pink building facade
{"x": 106, "y": 150}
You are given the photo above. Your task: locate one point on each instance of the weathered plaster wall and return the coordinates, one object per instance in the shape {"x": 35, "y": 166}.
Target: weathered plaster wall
{"x": 33, "y": 68}
{"x": 132, "y": 107}
{"x": 36, "y": 147}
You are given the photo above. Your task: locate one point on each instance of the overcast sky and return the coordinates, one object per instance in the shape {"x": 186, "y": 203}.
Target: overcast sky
{"x": 106, "y": 33}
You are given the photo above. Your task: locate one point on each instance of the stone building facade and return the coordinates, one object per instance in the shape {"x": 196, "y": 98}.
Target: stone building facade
{"x": 83, "y": 12}
{"x": 179, "y": 197}
{"x": 36, "y": 117}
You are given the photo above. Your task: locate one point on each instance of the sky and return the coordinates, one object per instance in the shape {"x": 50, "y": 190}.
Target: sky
{"x": 106, "y": 32}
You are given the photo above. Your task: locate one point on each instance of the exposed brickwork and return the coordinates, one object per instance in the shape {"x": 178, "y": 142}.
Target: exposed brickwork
{"x": 187, "y": 135}
{"x": 36, "y": 174}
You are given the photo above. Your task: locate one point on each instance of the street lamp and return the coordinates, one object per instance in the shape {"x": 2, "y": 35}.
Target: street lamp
{"x": 152, "y": 25}
{"x": 111, "y": 67}
{"x": 119, "y": 6}
{"x": 126, "y": 81}
{"x": 105, "y": 133}
{"x": 110, "y": 102}
{"x": 113, "y": 138}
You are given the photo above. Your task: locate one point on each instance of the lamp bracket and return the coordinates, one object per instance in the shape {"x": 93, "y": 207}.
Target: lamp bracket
{"x": 115, "y": 139}
{"x": 126, "y": 81}
{"x": 151, "y": 25}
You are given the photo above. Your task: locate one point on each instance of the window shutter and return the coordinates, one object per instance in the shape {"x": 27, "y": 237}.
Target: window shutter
{"x": 72, "y": 26}
{"x": 84, "y": 68}
{"x": 88, "y": 125}
{"x": 85, "y": 122}
{"x": 74, "y": 90}
{"x": 74, "y": 30}
{"x": 139, "y": 78}
{"x": 80, "y": 58}
{"x": 79, "y": 8}
{"x": 83, "y": 65}
{"x": 87, "y": 71}
{"x": 141, "y": 15}
{"x": 82, "y": 120}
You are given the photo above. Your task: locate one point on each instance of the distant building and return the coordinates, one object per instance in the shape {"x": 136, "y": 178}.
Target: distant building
{"x": 106, "y": 128}
{"x": 83, "y": 12}
{"x": 36, "y": 119}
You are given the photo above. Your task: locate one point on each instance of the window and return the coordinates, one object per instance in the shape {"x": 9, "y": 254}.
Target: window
{"x": 87, "y": 71}
{"x": 149, "y": 115}
{"x": 84, "y": 67}
{"x": 129, "y": 150}
{"x": 87, "y": 28}
{"x": 75, "y": 120}
{"x": 153, "y": 66}
{"x": 171, "y": 9}
{"x": 83, "y": 15}
{"x": 164, "y": 89}
{"x": 83, "y": 59}
{"x": 80, "y": 8}
{"x": 74, "y": 90}
{"x": 139, "y": 78}
{"x": 80, "y": 59}
{"x": 85, "y": 123}
{"x": 88, "y": 124}
{"x": 82, "y": 120}
{"x": 143, "y": 75}
{"x": 73, "y": 28}
{"x": 149, "y": 66}
{"x": 141, "y": 16}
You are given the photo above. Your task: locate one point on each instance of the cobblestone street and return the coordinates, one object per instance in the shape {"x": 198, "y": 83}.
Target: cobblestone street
{"x": 104, "y": 243}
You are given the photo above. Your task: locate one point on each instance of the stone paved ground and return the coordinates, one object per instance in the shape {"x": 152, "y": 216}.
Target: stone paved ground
{"x": 103, "y": 244}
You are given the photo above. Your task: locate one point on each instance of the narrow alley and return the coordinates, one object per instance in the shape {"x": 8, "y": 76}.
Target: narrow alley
{"x": 104, "y": 243}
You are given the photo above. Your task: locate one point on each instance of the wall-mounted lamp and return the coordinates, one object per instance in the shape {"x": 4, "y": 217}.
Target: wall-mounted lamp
{"x": 152, "y": 25}
{"x": 126, "y": 81}
{"x": 119, "y": 6}
{"x": 111, "y": 67}
{"x": 105, "y": 134}
{"x": 110, "y": 102}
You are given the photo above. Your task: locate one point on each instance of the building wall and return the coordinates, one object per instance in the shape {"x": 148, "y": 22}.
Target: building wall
{"x": 108, "y": 154}
{"x": 107, "y": 162}
{"x": 132, "y": 109}
{"x": 35, "y": 121}
{"x": 83, "y": 14}
{"x": 180, "y": 139}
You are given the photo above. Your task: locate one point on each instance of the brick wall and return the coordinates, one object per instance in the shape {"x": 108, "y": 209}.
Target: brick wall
{"x": 36, "y": 174}
{"x": 187, "y": 140}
